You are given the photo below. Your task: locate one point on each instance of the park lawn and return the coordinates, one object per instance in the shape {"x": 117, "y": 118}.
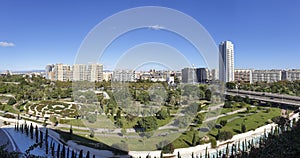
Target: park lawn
{"x": 129, "y": 124}
{"x": 10, "y": 108}
{"x": 66, "y": 129}
{"x": 252, "y": 121}
{"x": 139, "y": 143}
{"x": 74, "y": 122}
{"x": 184, "y": 140}
{"x": 85, "y": 140}
{"x": 163, "y": 122}
{"x": 102, "y": 122}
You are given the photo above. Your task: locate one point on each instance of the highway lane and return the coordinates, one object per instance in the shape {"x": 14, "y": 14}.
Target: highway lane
{"x": 267, "y": 98}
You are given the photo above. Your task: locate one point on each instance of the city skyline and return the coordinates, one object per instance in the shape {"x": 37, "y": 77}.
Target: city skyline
{"x": 36, "y": 34}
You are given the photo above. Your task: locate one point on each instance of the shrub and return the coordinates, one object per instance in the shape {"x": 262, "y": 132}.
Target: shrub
{"x": 243, "y": 128}
{"x": 223, "y": 122}
{"x": 92, "y": 134}
{"x": 147, "y": 123}
{"x": 227, "y": 104}
{"x": 92, "y": 118}
{"x": 165, "y": 146}
{"x": 213, "y": 143}
{"x": 225, "y": 135}
{"x": 11, "y": 101}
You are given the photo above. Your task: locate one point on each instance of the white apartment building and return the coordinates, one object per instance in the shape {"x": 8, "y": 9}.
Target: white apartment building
{"x": 62, "y": 72}
{"x": 266, "y": 75}
{"x": 79, "y": 72}
{"x": 244, "y": 75}
{"x": 95, "y": 72}
{"x": 291, "y": 75}
{"x": 123, "y": 75}
{"x": 226, "y": 61}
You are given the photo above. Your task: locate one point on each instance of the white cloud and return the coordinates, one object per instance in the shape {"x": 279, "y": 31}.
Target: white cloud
{"x": 6, "y": 44}
{"x": 156, "y": 27}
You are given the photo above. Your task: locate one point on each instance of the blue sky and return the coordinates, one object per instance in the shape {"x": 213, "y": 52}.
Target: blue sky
{"x": 35, "y": 33}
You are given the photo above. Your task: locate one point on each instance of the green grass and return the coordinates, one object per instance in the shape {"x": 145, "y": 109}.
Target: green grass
{"x": 129, "y": 124}
{"x": 10, "y": 108}
{"x": 87, "y": 141}
{"x": 184, "y": 140}
{"x": 161, "y": 123}
{"x": 74, "y": 130}
{"x": 252, "y": 121}
{"x": 74, "y": 122}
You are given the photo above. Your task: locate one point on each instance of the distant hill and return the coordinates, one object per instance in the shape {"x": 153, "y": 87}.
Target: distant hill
{"x": 27, "y": 71}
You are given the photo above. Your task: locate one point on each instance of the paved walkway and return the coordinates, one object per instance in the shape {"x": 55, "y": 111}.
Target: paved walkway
{"x": 222, "y": 115}
{"x": 4, "y": 139}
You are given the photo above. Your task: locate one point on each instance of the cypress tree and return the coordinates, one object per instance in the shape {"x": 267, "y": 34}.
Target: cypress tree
{"x": 227, "y": 150}
{"x": 232, "y": 149}
{"x": 243, "y": 146}
{"x": 58, "y": 151}
{"x": 63, "y": 152}
{"x": 71, "y": 130}
{"x": 46, "y": 138}
{"x": 206, "y": 156}
{"x": 36, "y": 134}
{"x": 94, "y": 156}
{"x": 26, "y": 129}
{"x": 52, "y": 149}
{"x": 41, "y": 139}
{"x": 80, "y": 154}
{"x": 68, "y": 152}
{"x": 246, "y": 145}
{"x": 73, "y": 154}
{"x": 46, "y": 145}
{"x": 31, "y": 131}
{"x": 88, "y": 154}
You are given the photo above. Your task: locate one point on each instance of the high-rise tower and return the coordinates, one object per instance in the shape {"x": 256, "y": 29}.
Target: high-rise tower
{"x": 226, "y": 61}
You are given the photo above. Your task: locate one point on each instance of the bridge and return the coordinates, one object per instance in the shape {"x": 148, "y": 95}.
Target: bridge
{"x": 267, "y": 97}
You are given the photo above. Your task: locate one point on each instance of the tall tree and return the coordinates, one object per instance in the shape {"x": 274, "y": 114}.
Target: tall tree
{"x": 36, "y": 134}
{"x": 88, "y": 154}
{"x": 73, "y": 154}
{"x": 58, "y": 151}
{"x": 80, "y": 154}
{"x": 52, "y": 150}
{"x": 68, "y": 152}
{"x": 31, "y": 131}
{"x": 41, "y": 139}
{"x": 63, "y": 152}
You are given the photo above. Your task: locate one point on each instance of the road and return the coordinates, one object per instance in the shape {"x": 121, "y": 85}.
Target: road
{"x": 268, "y": 97}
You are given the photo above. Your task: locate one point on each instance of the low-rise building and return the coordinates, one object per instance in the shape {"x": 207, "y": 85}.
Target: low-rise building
{"x": 266, "y": 75}
{"x": 243, "y": 75}
{"x": 291, "y": 75}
